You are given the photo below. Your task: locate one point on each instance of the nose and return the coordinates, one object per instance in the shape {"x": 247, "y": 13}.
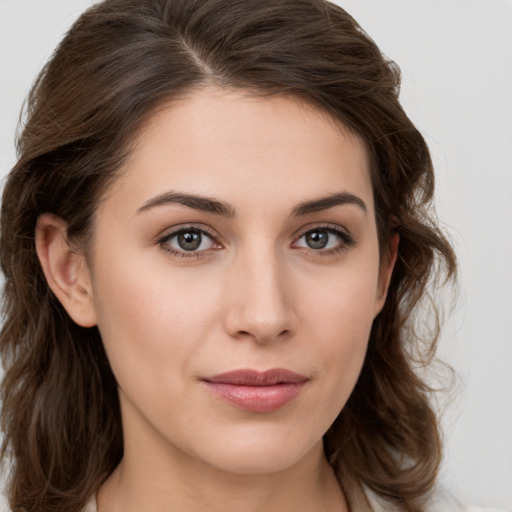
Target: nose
{"x": 260, "y": 300}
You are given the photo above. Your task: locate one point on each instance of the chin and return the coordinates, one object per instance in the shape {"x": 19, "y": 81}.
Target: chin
{"x": 261, "y": 454}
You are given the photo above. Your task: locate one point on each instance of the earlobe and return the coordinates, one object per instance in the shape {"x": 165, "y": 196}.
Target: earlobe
{"x": 66, "y": 270}
{"x": 386, "y": 270}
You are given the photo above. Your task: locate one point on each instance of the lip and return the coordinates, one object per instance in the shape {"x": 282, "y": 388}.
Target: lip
{"x": 256, "y": 391}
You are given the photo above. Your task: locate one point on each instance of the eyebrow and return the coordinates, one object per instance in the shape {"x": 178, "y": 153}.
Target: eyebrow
{"x": 223, "y": 209}
{"x": 204, "y": 204}
{"x": 324, "y": 203}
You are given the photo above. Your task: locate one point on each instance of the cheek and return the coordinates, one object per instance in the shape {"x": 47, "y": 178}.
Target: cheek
{"x": 151, "y": 322}
{"x": 343, "y": 302}
{"x": 339, "y": 320}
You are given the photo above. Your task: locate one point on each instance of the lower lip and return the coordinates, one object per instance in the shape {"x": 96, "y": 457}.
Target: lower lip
{"x": 257, "y": 398}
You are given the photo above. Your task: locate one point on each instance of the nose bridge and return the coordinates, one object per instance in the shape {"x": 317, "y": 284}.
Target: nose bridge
{"x": 260, "y": 305}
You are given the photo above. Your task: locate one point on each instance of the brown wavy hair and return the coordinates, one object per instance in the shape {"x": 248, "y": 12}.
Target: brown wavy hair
{"x": 120, "y": 62}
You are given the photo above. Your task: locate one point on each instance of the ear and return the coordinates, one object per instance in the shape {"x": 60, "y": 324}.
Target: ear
{"x": 66, "y": 270}
{"x": 386, "y": 270}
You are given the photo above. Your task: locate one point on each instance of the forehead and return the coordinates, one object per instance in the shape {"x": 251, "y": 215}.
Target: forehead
{"x": 227, "y": 143}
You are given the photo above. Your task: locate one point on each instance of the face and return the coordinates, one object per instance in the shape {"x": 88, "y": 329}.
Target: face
{"x": 234, "y": 276}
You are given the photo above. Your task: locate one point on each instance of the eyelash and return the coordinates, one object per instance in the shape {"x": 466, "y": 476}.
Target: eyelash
{"x": 164, "y": 242}
{"x": 347, "y": 241}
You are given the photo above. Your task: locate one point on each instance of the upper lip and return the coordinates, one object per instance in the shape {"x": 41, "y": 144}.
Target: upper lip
{"x": 248, "y": 377}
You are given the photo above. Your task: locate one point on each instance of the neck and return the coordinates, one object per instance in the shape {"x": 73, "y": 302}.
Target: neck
{"x": 160, "y": 486}
{"x": 158, "y": 475}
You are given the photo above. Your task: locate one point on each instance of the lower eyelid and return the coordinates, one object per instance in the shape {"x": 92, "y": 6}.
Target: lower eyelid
{"x": 165, "y": 242}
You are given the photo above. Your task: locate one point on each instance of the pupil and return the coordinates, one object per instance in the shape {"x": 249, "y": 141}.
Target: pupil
{"x": 189, "y": 240}
{"x": 317, "y": 239}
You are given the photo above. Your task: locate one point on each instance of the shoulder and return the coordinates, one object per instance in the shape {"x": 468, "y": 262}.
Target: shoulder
{"x": 4, "y": 504}
{"x": 439, "y": 500}
{"x": 363, "y": 499}
{"x": 92, "y": 507}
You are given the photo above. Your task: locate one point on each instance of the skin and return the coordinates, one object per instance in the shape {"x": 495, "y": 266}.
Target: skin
{"x": 254, "y": 295}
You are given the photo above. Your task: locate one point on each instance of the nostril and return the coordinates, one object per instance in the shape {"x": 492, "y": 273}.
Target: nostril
{"x": 264, "y": 337}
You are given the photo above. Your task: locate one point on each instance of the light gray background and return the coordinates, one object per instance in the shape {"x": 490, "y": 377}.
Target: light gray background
{"x": 456, "y": 59}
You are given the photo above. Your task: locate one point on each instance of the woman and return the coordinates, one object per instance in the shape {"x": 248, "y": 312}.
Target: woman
{"x": 214, "y": 242}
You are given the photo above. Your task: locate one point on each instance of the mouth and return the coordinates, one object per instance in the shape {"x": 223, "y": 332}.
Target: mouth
{"x": 255, "y": 391}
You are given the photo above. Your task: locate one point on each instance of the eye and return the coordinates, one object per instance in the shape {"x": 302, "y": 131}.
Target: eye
{"x": 188, "y": 242}
{"x": 325, "y": 239}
